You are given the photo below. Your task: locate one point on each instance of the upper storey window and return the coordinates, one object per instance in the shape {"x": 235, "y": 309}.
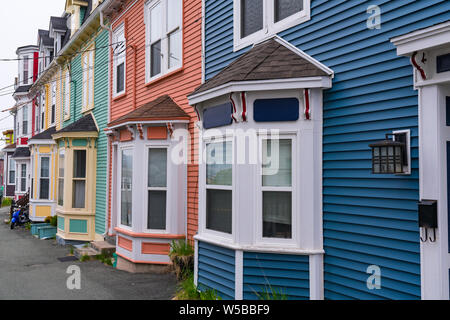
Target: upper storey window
{"x": 87, "y": 63}
{"x": 255, "y": 20}
{"x": 164, "y": 37}
{"x": 119, "y": 60}
{"x": 25, "y": 70}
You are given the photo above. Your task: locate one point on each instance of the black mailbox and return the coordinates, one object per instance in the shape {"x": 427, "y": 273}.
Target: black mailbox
{"x": 428, "y": 214}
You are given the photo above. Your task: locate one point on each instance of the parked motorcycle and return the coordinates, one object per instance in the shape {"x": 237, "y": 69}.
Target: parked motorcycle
{"x": 20, "y": 217}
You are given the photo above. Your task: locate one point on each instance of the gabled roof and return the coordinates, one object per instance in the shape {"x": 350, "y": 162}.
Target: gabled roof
{"x": 161, "y": 109}
{"x": 271, "y": 59}
{"x": 58, "y": 23}
{"x": 85, "y": 124}
{"x": 22, "y": 153}
{"x": 46, "y": 135}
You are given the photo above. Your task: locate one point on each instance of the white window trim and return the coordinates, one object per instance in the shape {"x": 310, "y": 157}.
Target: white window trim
{"x": 88, "y": 82}
{"x": 39, "y": 176}
{"x": 72, "y": 179}
{"x": 164, "y": 41}
{"x": 217, "y": 235}
{"x": 53, "y": 104}
{"x": 117, "y": 60}
{"x": 270, "y": 27}
{"x": 259, "y": 239}
{"x": 124, "y": 147}
{"x": 21, "y": 177}
{"x": 10, "y": 165}
{"x": 168, "y": 189}
{"x": 67, "y": 96}
{"x": 61, "y": 151}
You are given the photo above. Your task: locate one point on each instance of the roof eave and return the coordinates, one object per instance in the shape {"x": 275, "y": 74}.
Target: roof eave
{"x": 130, "y": 122}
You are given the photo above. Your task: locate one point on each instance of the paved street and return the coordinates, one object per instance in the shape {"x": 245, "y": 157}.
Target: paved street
{"x": 30, "y": 269}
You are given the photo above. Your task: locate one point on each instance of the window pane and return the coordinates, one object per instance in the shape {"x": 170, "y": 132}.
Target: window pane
{"x": 44, "y": 189}
{"x": 219, "y": 164}
{"x": 157, "y": 210}
{"x": 286, "y": 8}
{"x": 79, "y": 194}
{"x": 175, "y": 49}
{"x": 45, "y": 167}
{"x": 79, "y": 164}
{"x": 277, "y": 163}
{"x": 126, "y": 187}
{"x": 174, "y": 14}
{"x": 61, "y": 179}
{"x": 252, "y": 16}
{"x": 157, "y": 168}
{"x": 277, "y": 215}
{"x": 120, "y": 77}
{"x": 156, "y": 23}
{"x": 218, "y": 210}
{"x": 155, "y": 65}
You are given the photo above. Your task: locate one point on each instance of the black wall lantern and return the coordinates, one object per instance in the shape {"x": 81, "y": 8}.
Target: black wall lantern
{"x": 390, "y": 156}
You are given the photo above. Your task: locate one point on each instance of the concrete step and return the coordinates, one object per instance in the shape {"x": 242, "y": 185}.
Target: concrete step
{"x": 90, "y": 252}
{"x": 103, "y": 247}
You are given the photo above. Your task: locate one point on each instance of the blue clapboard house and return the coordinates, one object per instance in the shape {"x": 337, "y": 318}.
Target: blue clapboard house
{"x": 326, "y": 139}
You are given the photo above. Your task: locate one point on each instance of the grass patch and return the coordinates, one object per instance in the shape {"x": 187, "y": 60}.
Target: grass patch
{"x": 85, "y": 258}
{"x": 105, "y": 259}
{"x": 6, "y": 202}
{"x": 188, "y": 291}
{"x": 182, "y": 257}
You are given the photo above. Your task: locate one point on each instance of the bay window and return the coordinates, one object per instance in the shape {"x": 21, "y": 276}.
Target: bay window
{"x": 119, "y": 60}
{"x": 126, "y": 185}
{"x": 44, "y": 178}
{"x": 277, "y": 188}
{"x": 61, "y": 177}
{"x": 157, "y": 189}
{"x": 219, "y": 182}
{"x": 79, "y": 179}
{"x": 255, "y": 20}
{"x": 164, "y": 36}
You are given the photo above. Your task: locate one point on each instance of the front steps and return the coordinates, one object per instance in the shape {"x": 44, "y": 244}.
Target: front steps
{"x": 93, "y": 249}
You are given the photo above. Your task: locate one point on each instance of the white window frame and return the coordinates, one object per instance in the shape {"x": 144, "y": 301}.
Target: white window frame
{"x": 61, "y": 151}
{"x": 67, "y": 95}
{"x": 25, "y": 120}
{"x": 73, "y": 179}
{"x": 39, "y": 175}
{"x": 164, "y": 40}
{"x": 53, "y": 104}
{"x": 259, "y": 239}
{"x": 217, "y": 235}
{"x": 11, "y": 165}
{"x": 124, "y": 147}
{"x": 121, "y": 57}
{"x": 26, "y": 65}
{"x": 270, "y": 27}
{"x": 88, "y": 67}
{"x": 22, "y": 177}
{"x": 42, "y": 116}
{"x": 167, "y": 189}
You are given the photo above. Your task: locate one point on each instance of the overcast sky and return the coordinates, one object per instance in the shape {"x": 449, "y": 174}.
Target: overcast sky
{"x": 19, "y": 22}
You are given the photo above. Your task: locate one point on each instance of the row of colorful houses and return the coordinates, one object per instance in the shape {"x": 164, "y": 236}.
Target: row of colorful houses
{"x": 249, "y": 128}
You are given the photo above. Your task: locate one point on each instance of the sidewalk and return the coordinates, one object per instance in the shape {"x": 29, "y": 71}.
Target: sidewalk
{"x": 30, "y": 269}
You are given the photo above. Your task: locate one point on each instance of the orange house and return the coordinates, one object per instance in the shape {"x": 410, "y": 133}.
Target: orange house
{"x": 156, "y": 61}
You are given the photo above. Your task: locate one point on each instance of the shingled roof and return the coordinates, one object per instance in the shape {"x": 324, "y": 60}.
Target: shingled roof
{"x": 21, "y": 153}
{"x": 23, "y": 89}
{"x": 163, "y": 108}
{"x": 85, "y": 124}
{"x": 46, "y": 135}
{"x": 265, "y": 61}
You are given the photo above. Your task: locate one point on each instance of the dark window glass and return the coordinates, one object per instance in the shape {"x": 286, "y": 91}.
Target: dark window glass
{"x": 155, "y": 65}
{"x": 443, "y": 63}
{"x": 218, "y": 116}
{"x": 79, "y": 164}
{"x": 44, "y": 189}
{"x": 53, "y": 113}
{"x": 277, "y": 215}
{"x": 251, "y": 16}
{"x": 218, "y": 210}
{"x": 120, "y": 77}
{"x": 270, "y": 110}
{"x": 157, "y": 210}
{"x": 23, "y": 178}
{"x": 286, "y": 8}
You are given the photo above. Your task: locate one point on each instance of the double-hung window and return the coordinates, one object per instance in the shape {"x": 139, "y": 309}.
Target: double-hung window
{"x": 53, "y": 110}
{"x": 25, "y": 120}
{"x": 79, "y": 179}
{"x": 126, "y": 188}
{"x": 87, "y": 63}
{"x": 25, "y": 70}
{"x": 164, "y": 36}
{"x": 276, "y": 188}
{"x": 157, "y": 189}
{"x": 119, "y": 62}
{"x": 44, "y": 178}
{"x": 219, "y": 185}
{"x": 23, "y": 177}
{"x": 67, "y": 95}
{"x": 12, "y": 171}
{"x": 62, "y": 154}
{"x": 255, "y": 20}
{"x": 43, "y": 95}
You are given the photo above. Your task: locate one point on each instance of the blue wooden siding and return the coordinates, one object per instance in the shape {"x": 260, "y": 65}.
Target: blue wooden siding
{"x": 284, "y": 274}
{"x": 368, "y": 219}
{"x": 216, "y": 269}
